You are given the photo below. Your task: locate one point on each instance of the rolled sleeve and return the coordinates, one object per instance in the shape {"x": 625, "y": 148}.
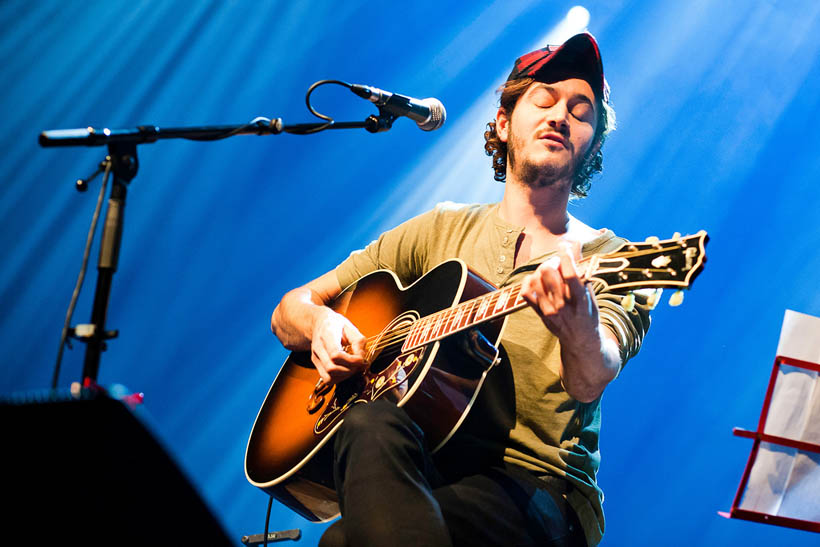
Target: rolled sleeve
{"x": 629, "y": 327}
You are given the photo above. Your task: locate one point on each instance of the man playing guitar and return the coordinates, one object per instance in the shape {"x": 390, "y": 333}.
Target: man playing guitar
{"x": 521, "y": 469}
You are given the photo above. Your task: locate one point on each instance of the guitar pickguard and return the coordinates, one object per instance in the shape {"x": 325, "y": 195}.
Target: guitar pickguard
{"x": 368, "y": 387}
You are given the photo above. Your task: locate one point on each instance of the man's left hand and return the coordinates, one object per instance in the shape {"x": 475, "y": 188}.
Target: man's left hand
{"x": 590, "y": 357}
{"x": 562, "y": 300}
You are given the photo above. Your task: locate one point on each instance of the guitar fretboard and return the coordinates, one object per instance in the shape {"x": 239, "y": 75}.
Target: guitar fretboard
{"x": 465, "y": 315}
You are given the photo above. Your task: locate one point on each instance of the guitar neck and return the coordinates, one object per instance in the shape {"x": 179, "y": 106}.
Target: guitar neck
{"x": 672, "y": 263}
{"x": 465, "y": 315}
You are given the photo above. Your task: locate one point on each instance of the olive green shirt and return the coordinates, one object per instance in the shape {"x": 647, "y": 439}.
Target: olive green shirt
{"x": 523, "y": 410}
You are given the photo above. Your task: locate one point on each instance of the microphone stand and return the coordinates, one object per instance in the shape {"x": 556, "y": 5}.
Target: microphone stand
{"x": 123, "y": 163}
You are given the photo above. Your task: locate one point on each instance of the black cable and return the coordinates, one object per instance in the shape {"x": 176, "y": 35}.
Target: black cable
{"x": 267, "y": 519}
{"x": 266, "y": 125}
{"x": 81, "y": 277}
{"x": 313, "y": 111}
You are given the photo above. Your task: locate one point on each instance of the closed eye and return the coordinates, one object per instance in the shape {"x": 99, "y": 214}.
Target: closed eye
{"x": 544, "y": 97}
{"x": 583, "y": 111}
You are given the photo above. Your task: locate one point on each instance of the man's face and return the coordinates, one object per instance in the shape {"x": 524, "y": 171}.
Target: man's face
{"x": 549, "y": 132}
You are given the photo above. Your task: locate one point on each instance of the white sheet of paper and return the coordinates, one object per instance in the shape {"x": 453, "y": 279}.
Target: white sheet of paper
{"x": 785, "y": 481}
{"x": 802, "y": 497}
{"x": 768, "y": 479}
{"x": 800, "y": 337}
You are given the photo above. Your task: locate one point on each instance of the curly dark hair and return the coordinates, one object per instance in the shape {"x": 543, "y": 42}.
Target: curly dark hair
{"x": 510, "y": 92}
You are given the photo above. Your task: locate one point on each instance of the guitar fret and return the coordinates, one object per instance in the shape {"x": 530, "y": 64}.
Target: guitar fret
{"x": 414, "y": 336}
{"x": 428, "y": 330}
{"x": 423, "y": 324}
{"x": 450, "y": 326}
{"x": 427, "y": 324}
{"x": 412, "y": 340}
{"x": 448, "y": 323}
{"x": 519, "y": 298}
{"x": 437, "y": 321}
{"x": 482, "y": 308}
{"x": 469, "y": 315}
{"x": 492, "y": 297}
{"x": 502, "y": 300}
{"x": 443, "y": 324}
{"x": 416, "y": 333}
{"x": 436, "y": 331}
{"x": 459, "y": 315}
{"x": 512, "y": 301}
{"x": 441, "y": 329}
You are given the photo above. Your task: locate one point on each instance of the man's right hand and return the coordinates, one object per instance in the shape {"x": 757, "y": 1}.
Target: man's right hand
{"x": 303, "y": 321}
{"x": 337, "y": 347}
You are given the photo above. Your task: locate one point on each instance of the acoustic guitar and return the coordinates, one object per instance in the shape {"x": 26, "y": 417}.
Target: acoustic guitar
{"x": 429, "y": 347}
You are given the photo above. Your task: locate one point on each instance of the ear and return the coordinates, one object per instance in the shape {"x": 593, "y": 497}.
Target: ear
{"x": 502, "y": 125}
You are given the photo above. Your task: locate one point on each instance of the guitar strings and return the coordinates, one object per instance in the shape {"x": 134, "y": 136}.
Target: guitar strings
{"x": 398, "y": 335}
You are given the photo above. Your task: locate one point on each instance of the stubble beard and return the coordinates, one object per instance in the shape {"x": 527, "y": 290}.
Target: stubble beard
{"x": 534, "y": 175}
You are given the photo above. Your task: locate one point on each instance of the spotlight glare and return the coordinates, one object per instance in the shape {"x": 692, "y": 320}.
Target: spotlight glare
{"x": 578, "y": 17}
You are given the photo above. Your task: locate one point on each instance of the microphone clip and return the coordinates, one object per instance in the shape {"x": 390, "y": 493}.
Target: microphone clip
{"x": 382, "y": 122}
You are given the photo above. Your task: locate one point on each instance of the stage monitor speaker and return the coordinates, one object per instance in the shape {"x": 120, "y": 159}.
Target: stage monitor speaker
{"x": 88, "y": 471}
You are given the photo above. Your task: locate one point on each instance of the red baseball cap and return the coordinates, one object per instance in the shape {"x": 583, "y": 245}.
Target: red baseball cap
{"x": 579, "y": 56}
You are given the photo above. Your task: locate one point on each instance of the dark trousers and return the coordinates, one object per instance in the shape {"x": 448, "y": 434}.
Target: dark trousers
{"x": 392, "y": 492}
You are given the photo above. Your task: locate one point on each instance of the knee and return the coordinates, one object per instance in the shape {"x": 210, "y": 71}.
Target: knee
{"x": 334, "y": 536}
{"x": 376, "y": 417}
{"x": 379, "y": 421}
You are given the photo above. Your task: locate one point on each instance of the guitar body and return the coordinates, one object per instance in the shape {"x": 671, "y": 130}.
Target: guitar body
{"x": 289, "y": 453}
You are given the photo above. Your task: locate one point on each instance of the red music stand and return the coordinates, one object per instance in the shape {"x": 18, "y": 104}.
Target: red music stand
{"x": 781, "y": 481}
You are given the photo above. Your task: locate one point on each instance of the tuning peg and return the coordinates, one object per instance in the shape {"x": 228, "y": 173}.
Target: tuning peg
{"x": 676, "y": 236}
{"x": 628, "y": 301}
{"x": 654, "y": 298}
{"x": 652, "y": 239}
{"x": 676, "y": 299}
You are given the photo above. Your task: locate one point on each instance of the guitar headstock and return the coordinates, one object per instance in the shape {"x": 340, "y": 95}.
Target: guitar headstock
{"x": 671, "y": 263}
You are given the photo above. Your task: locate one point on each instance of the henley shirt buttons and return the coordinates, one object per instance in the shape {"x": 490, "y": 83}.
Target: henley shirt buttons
{"x": 502, "y": 258}
{"x": 499, "y": 269}
{"x": 505, "y": 240}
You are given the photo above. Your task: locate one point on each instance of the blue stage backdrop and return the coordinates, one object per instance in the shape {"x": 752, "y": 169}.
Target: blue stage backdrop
{"x": 718, "y": 107}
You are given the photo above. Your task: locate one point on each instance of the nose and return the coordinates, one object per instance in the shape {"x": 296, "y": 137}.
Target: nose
{"x": 557, "y": 117}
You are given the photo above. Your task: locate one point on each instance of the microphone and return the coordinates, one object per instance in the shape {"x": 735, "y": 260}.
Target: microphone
{"x": 429, "y": 114}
